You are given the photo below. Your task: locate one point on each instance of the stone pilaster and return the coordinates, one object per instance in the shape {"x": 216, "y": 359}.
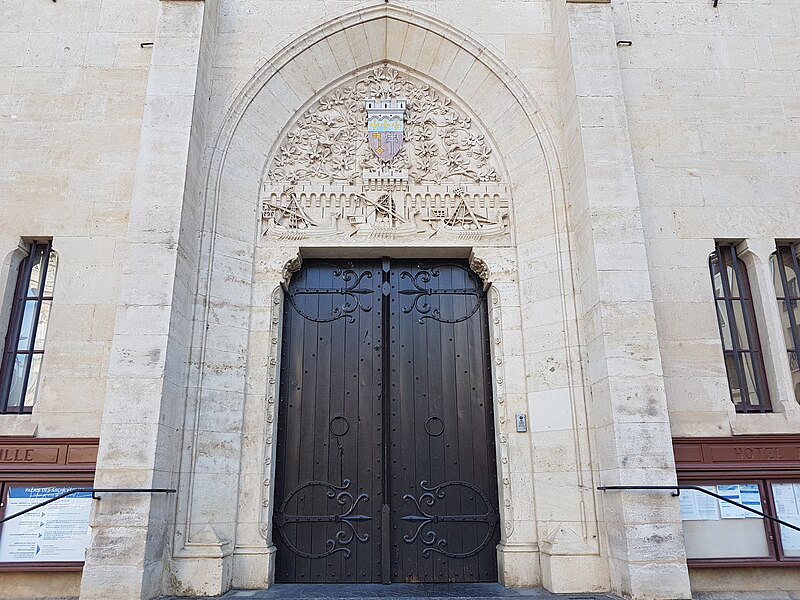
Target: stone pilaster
{"x": 628, "y": 416}
{"x": 143, "y": 410}
{"x": 518, "y": 550}
{"x": 254, "y": 551}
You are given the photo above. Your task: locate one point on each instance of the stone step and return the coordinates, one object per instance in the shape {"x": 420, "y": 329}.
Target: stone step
{"x": 474, "y": 591}
{"x": 402, "y": 591}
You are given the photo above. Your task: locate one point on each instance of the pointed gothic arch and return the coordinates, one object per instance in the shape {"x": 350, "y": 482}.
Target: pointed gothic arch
{"x": 245, "y": 274}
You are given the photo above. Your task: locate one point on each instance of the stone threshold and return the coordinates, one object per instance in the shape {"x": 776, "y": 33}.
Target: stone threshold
{"x": 449, "y": 591}
{"x": 401, "y": 591}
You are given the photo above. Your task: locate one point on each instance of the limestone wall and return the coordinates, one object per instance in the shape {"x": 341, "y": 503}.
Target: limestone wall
{"x": 14, "y": 586}
{"x": 248, "y": 32}
{"x": 622, "y": 183}
{"x": 72, "y": 82}
{"x": 712, "y": 103}
{"x": 247, "y": 37}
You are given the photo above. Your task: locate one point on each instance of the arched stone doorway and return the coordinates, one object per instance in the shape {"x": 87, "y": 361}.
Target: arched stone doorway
{"x": 207, "y": 291}
{"x": 248, "y": 255}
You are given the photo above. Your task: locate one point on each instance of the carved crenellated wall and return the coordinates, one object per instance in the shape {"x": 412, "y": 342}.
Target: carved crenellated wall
{"x": 325, "y": 185}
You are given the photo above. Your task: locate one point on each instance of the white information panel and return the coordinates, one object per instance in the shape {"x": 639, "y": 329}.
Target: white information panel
{"x": 787, "y": 505}
{"x": 746, "y": 494}
{"x": 58, "y": 532}
{"x": 697, "y": 506}
{"x": 715, "y": 529}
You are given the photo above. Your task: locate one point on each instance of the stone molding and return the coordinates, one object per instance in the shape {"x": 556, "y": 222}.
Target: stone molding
{"x": 278, "y": 281}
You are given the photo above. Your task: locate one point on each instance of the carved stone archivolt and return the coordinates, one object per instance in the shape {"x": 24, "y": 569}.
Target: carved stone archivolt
{"x": 329, "y": 178}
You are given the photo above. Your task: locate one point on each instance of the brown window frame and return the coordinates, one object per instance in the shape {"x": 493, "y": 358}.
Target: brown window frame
{"x": 15, "y": 481}
{"x": 762, "y": 459}
{"x": 789, "y": 298}
{"x": 11, "y": 350}
{"x": 772, "y": 530}
{"x": 735, "y": 364}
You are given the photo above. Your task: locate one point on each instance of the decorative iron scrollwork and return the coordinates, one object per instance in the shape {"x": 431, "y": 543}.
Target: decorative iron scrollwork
{"x": 348, "y": 519}
{"x": 350, "y": 290}
{"x": 431, "y": 538}
{"x": 422, "y": 292}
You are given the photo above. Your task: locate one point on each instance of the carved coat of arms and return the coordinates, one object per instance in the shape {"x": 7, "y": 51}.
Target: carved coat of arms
{"x": 423, "y": 169}
{"x": 385, "y": 123}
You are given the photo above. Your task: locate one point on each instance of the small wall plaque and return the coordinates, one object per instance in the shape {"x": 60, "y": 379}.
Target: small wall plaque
{"x": 522, "y": 423}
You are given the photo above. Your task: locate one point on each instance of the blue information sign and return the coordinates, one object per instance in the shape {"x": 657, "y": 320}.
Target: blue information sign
{"x": 58, "y": 532}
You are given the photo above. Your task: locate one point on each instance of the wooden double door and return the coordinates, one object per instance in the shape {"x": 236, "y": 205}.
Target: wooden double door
{"x": 386, "y": 468}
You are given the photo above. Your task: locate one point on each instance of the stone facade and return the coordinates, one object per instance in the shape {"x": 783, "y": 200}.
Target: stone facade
{"x": 587, "y": 181}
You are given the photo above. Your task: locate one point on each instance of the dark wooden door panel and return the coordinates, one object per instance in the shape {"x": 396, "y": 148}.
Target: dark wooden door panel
{"x": 408, "y": 478}
{"x": 329, "y": 463}
{"x": 443, "y": 474}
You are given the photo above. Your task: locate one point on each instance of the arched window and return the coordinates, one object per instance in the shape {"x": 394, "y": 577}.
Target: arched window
{"x": 736, "y": 317}
{"x": 786, "y": 278}
{"x": 24, "y": 345}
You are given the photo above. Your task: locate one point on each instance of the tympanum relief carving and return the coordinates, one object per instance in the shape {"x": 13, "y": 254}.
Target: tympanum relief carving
{"x": 385, "y": 156}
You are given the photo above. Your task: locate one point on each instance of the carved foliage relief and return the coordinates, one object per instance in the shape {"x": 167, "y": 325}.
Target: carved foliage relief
{"x": 326, "y": 181}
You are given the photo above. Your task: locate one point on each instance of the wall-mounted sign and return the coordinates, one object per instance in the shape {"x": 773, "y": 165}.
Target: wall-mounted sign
{"x": 737, "y": 453}
{"x": 697, "y": 506}
{"x": 58, "y": 532}
{"x": 747, "y": 494}
{"x": 787, "y": 504}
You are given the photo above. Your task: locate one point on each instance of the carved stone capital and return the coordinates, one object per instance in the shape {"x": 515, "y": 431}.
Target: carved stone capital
{"x": 291, "y": 267}
{"x": 277, "y": 263}
{"x": 494, "y": 265}
{"x": 481, "y": 269}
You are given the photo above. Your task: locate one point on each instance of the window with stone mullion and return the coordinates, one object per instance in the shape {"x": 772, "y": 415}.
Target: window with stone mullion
{"x": 786, "y": 279}
{"x": 24, "y": 345}
{"x": 744, "y": 362}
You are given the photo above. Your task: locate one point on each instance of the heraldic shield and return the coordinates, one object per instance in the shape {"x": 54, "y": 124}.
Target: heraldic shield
{"x": 385, "y": 120}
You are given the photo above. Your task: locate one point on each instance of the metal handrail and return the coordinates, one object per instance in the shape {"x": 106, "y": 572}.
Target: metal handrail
{"x": 94, "y": 492}
{"x": 676, "y": 491}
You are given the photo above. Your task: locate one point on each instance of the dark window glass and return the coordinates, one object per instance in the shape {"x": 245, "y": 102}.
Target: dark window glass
{"x": 24, "y": 347}
{"x": 785, "y": 274}
{"x": 738, "y": 330}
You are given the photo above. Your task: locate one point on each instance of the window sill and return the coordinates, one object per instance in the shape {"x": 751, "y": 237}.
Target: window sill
{"x": 741, "y": 562}
{"x": 17, "y": 425}
{"x": 43, "y": 566}
{"x": 766, "y": 423}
